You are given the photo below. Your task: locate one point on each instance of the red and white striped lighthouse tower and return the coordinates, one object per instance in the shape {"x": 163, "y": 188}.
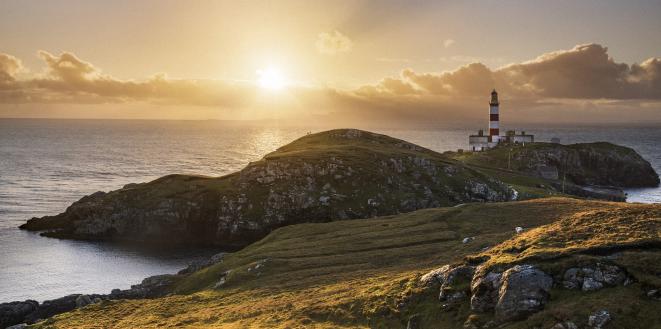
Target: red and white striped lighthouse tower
{"x": 494, "y": 134}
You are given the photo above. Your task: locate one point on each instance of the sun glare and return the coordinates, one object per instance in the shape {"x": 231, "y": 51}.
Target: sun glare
{"x": 271, "y": 78}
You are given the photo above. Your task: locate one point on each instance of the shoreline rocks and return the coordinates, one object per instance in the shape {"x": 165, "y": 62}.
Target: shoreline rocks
{"x": 31, "y": 311}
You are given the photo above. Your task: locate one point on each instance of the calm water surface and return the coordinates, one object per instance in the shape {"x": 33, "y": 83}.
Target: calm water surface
{"x": 45, "y": 165}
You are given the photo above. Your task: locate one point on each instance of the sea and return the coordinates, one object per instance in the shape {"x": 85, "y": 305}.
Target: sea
{"x": 45, "y": 165}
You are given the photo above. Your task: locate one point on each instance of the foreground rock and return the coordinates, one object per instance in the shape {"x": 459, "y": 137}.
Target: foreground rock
{"x": 524, "y": 290}
{"x": 521, "y": 290}
{"x": 338, "y": 174}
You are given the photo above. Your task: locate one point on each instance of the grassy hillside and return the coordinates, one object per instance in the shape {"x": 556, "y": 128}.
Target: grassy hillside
{"x": 365, "y": 273}
{"x": 598, "y": 163}
{"x": 332, "y": 175}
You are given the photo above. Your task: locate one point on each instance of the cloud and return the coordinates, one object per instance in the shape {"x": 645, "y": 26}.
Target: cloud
{"x": 586, "y": 71}
{"x": 447, "y": 43}
{"x": 332, "y": 43}
{"x": 68, "y": 79}
{"x": 583, "y": 72}
{"x": 9, "y": 66}
{"x": 579, "y": 84}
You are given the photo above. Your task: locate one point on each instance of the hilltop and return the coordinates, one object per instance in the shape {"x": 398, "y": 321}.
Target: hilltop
{"x": 333, "y": 175}
{"x": 574, "y": 260}
{"x": 336, "y": 175}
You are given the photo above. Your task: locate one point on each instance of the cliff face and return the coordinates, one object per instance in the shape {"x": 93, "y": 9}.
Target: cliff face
{"x": 339, "y": 174}
{"x": 603, "y": 164}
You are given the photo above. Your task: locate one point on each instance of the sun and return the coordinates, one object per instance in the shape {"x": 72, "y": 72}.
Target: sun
{"x": 271, "y": 78}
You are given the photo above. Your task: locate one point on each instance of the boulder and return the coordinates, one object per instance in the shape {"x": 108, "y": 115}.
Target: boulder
{"x": 599, "y": 319}
{"x": 565, "y": 325}
{"x": 150, "y": 287}
{"x": 83, "y": 300}
{"x": 203, "y": 263}
{"x": 484, "y": 290}
{"x": 590, "y": 284}
{"x": 18, "y": 326}
{"x": 53, "y": 307}
{"x": 222, "y": 280}
{"x": 15, "y": 312}
{"x": 594, "y": 277}
{"x": 524, "y": 290}
{"x": 455, "y": 284}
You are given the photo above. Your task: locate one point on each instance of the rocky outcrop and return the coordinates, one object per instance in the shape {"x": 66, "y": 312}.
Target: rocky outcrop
{"x": 15, "y": 312}
{"x": 516, "y": 292}
{"x": 599, "y": 319}
{"x": 454, "y": 283}
{"x": 30, "y": 311}
{"x": 339, "y": 174}
{"x": 524, "y": 290}
{"x": 600, "y": 164}
{"x": 593, "y": 278}
{"x": 202, "y": 263}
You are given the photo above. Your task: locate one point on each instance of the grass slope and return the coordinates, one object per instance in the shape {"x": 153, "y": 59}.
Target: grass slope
{"x": 364, "y": 273}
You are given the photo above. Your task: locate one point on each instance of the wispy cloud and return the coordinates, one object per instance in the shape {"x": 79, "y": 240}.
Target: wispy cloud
{"x": 332, "y": 43}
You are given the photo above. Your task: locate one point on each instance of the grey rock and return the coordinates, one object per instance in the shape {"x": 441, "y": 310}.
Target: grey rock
{"x": 565, "y": 325}
{"x": 83, "y": 300}
{"x": 435, "y": 276}
{"x": 52, "y": 307}
{"x": 594, "y": 278}
{"x": 591, "y": 284}
{"x": 204, "y": 263}
{"x": 524, "y": 290}
{"x": 599, "y": 319}
{"x": 484, "y": 290}
{"x": 15, "y": 312}
{"x": 222, "y": 280}
{"x": 18, "y": 326}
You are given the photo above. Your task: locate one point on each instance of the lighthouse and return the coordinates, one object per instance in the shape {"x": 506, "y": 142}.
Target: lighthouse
{"x": 492, "y": 138}
{"x": 494, "y": 133}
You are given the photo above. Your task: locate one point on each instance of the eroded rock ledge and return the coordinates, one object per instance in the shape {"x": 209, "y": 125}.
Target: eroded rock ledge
{"x": 516, "y": 292}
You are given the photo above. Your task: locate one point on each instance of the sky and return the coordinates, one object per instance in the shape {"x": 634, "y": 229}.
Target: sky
{"x": 334, "y": 61}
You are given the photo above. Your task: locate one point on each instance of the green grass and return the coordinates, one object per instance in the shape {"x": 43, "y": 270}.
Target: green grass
{"x": 355, "y": 273}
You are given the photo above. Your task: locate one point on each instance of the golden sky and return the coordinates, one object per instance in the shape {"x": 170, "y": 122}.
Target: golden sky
{"x": 334, "y": 61}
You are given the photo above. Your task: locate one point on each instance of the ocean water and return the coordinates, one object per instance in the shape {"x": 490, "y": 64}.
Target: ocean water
{"x": 45, "y": 165}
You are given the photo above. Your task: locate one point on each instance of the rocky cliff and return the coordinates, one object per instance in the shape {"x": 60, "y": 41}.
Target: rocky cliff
{"x": 338, "y": 174}
{"x": 601, "y": 164}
